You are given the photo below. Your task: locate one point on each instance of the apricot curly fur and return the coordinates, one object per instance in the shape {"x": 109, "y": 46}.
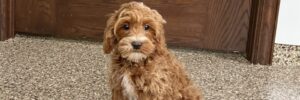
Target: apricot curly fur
{"x": 151, "y": 72}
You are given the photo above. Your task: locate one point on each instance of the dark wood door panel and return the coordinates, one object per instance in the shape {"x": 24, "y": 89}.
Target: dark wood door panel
{"x": 209, "y": 24}
{"x": 186, "y": 20}
{"x": 84, "y": 18}
{"x": 212, "y": 24}
{"x": 228, "y": 24}
{"x": 35, "y": 16}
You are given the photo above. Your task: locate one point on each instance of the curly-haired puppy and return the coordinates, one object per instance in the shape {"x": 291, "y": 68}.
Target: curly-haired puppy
{"x": 142, "y": 68}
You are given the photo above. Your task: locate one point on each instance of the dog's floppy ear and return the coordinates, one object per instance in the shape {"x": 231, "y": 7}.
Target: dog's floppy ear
{"x": 109, "y": 38}
{"x": 160, "y": 36}
{"x": 160, "y": 33}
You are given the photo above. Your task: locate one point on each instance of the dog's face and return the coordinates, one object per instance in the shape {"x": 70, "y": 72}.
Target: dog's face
{"x": 134, "y": 31}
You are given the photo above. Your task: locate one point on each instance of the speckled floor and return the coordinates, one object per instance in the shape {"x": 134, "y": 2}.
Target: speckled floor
{"x": 46, "y": 68}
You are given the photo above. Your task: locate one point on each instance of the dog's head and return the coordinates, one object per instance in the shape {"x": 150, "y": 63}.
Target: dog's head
{"x": 134, "y": 31}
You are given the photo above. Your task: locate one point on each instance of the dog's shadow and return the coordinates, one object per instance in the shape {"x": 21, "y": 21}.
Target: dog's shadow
{"x": 209, "y": 55}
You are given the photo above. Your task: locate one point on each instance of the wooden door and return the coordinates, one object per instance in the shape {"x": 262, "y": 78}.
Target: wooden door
{"x": 209, "y": 24}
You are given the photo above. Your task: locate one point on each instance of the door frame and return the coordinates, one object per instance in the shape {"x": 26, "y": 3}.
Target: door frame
{"x": 7, "y": 24}
{"x": 262, "y": 31}
{"x": 261, "y": 35}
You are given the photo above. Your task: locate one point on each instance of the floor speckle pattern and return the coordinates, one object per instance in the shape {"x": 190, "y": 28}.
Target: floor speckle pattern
{"x": 286, "y": 55}
{"x": 43, "y": 68}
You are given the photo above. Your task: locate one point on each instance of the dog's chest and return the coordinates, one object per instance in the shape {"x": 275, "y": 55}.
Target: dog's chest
{"x": 128, "y": 87}
{"x": 134, "y": 82}
{"x": 145, "y": 83}
{"x": 133, "y": 86}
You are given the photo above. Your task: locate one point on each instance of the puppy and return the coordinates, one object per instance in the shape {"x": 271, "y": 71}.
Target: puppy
{"x": 141, "y": 66}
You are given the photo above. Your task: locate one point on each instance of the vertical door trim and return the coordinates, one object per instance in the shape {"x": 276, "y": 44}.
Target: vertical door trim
{"x": 262, "y": 31}
{"x": 7, "y": 19}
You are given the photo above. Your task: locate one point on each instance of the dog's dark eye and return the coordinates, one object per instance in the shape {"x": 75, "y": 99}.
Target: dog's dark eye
{"x": 146, "y": 27}
{"x": 125, "y": 26}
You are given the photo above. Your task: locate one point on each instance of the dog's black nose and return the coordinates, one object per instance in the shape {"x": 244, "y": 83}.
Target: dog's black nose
{"x": 136, "y": 44}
